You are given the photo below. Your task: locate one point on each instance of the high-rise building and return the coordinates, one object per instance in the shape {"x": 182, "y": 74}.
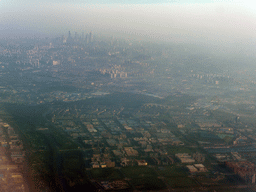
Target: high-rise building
{"x": 76, "y": 36}
{"x": 90, "y": 37}
{"x": 87, "y": 38}
{"x": 69, "y": 39}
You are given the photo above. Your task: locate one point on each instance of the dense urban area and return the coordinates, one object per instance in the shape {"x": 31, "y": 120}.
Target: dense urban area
{"x": 87, "y": 112}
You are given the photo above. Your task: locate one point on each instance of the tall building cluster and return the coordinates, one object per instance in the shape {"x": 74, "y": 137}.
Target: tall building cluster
{"x": 88, "y": 38}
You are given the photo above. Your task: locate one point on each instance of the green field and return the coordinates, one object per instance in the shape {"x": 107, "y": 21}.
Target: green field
{"x": 180, "y": 182}
{"x": 36, "y": 140}
{"x": 171, "y": 171}
{"x": 179, "y": 149}
{"x": 207, "y": 181}
{"x": 106, "y": 174}
{"x": 148, "y": 183}
{"x": 135, "y": 172}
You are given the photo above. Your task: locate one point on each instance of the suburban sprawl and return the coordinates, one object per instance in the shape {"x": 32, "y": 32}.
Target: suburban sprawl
{"x": 102, "y": 113}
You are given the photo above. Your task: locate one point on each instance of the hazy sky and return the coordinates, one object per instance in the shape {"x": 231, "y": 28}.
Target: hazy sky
{"x": 176, "y": 20}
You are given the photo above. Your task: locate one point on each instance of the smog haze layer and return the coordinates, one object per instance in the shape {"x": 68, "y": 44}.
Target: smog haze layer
{"x": 218, "y": 22}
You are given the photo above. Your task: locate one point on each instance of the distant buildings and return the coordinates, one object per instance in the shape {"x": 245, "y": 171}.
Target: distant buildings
{"x": 246, "y": 170}
{"x": 130, "y": 151}
{"x": 142, "y": 163}
{"x": 55, "y": 62}
{"x": 114, "y": 185}
{"x": 88, "y": 38}
{"x": 199, "y": 157}
{"x": 196, "y": 168}
{"x": 184, "y": 158}
{"x": 101, "y": 161}
{"x": 11, "y": 159}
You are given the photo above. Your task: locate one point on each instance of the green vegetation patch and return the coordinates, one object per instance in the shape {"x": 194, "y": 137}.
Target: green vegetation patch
{"x": 36, "y": 140}
{"x": 179, "y": 149}
{"x": 27, "y": 117}
{"x": 62, "y": 141}
{"x": 172, "y": 171}
{"x": 106, "y": 174}
{"x": 71, "y": 162}
{"x": 148, "y": 183}
{"x": 129, "y": 100}
{"x": 207, "y": 181}
{"x": 134, "y": 172}
{"x": 226, "y": 118}
{"x": 180, "y": 182}
{"x": 40, "y": 157}
{"x": 40, "y": 164}
{"x": 226, "y": 137}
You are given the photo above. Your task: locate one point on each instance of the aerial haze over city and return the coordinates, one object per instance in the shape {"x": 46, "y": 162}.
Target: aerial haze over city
{"x": 127, "y": 96}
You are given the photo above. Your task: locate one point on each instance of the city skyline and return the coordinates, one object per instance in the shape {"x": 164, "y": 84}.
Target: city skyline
{"x": 213, "y": 22}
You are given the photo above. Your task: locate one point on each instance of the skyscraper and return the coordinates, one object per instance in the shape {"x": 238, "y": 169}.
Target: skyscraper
{"x": 90, "y": 37}
{"x": 76, "y": 36}
{"x": 83, "y": 36}
{"x": 69, "y": 39}
{"x": 87, "y": 38}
